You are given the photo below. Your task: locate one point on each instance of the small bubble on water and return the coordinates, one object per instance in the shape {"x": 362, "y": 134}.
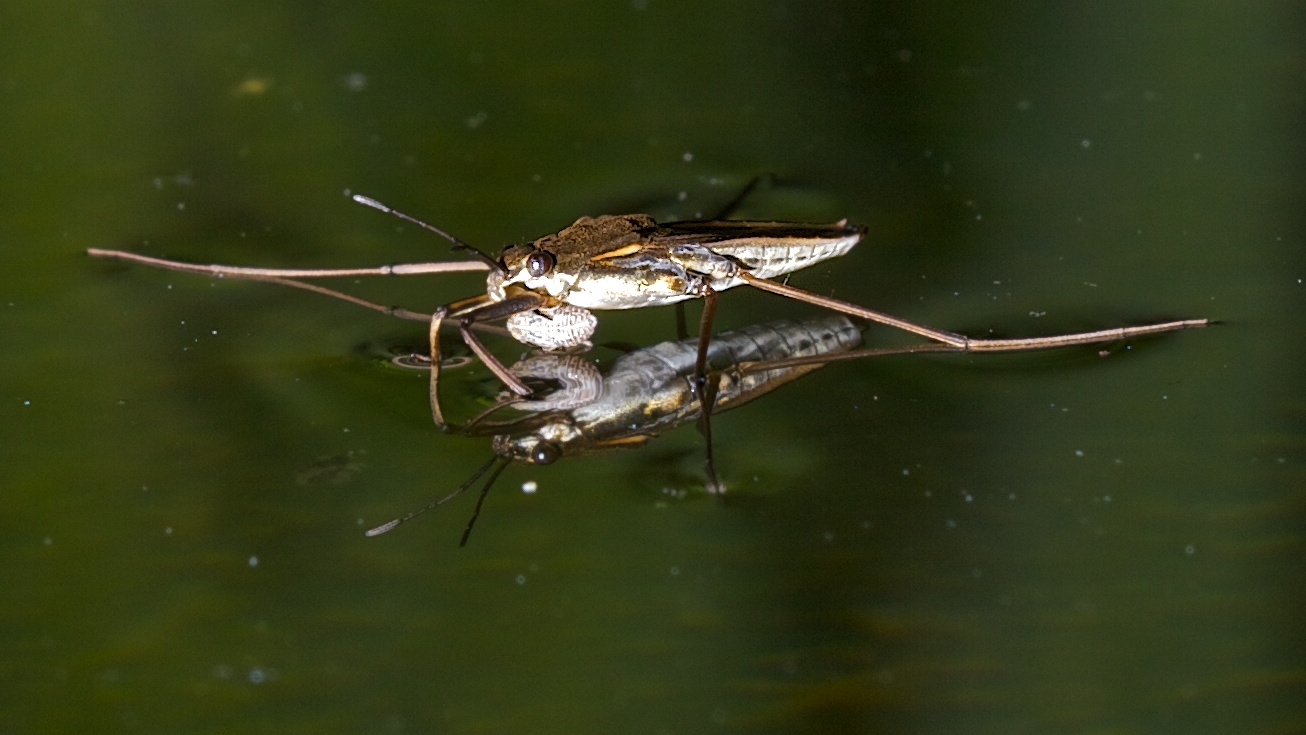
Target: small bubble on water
{"x": 257, "y": 676}
{"x": 253, "y": 561}
{"x": 521, "y": 579}
{"x": 356, "y": 81}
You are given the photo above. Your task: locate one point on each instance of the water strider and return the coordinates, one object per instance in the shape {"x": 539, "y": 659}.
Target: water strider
{"x": 546, "y": 290}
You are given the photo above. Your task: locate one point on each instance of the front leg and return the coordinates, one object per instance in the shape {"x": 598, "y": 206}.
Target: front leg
{"x": 469, "y": 312}
{"x": 703, "y": 385}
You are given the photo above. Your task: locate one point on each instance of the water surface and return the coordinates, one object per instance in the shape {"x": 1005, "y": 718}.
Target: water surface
{"x": 1055, "y": 542}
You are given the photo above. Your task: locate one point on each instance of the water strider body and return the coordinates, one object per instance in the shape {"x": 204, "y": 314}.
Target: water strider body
{"x": 631, "y": 261}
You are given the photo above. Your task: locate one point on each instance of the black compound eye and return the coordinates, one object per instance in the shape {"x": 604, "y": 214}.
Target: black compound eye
{"x": 545, "y": 453}
{"x": 539, "y": 263}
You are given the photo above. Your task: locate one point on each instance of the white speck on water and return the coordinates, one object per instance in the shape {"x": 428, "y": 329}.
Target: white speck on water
{"x": 687, "y": 156}
{"x": 257, "y": 676}
{"x": 967, "y": 497}
{"x": 477, "y": 120}
{"x": 356, "y": 81}
{"x": 1197, "y": 156}
{"x": 521, "y": 579}
{"x": 48, "y": 541}
{"x": 1079, "y": 452}
{"x": 214, "y": 332}
{"x": 253, "y": 561}
{"x": 905, "y": 471}
{"x": 27, "y": 403}
{"x": 167, "y": 531}
{"x": 1190, "y": 549}
{"x": 675, "y": 571}
{"x": 950, "y": 523}
{"x": 1085, "y": 143}
{"x": 529, "y": 487}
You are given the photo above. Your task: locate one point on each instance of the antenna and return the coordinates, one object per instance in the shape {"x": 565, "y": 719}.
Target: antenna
{"x": 457, "y": 244}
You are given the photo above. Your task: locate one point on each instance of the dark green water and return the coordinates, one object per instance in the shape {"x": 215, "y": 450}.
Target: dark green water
{"x": 1042, "y": 543}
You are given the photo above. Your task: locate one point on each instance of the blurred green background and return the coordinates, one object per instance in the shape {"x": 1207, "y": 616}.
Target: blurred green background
{"x": 1039, "y": 543}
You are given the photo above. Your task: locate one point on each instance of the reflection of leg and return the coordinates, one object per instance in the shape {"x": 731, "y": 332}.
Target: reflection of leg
{"x": 682, "y": 326}
{"x": 480, "y": 499}
{"x": 704, "y": 390}
{"x": 502, "y": 463}
{"x": 730, "y": 207}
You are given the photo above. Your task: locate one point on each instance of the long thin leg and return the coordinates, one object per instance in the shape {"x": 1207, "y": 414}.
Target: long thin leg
{"x": 704, "y": 390}
{"x": 469, "y": 313}
{"x": 235, "y": 271}
{"x": 962, "y": 343}
{"x": 395, "y": 311}
{"x": 436, "y": 319}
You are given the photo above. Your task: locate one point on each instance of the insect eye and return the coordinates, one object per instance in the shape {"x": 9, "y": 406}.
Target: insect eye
{"x": 545, "y": 453}
{"x": 539, "y": 263}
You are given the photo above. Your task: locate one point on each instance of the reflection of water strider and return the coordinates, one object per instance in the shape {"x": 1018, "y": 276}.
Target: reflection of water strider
{"x": 643, "y": 394}
{"x": 649, "y": 391}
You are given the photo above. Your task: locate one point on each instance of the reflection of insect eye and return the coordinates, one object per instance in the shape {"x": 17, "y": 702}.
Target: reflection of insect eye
{"x": 539, "y": 263}
{"x": 545, "y": 453}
